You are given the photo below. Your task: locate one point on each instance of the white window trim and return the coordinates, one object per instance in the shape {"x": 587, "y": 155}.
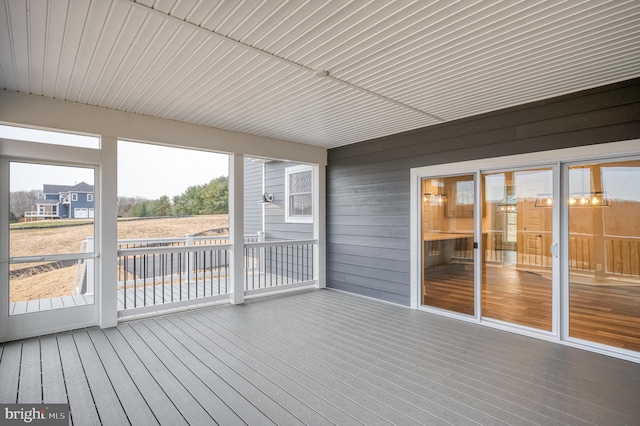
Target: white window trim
{"x": 288, "y": 171}
{"x": 74, "y": 196}
{"x": 89, "y": 197}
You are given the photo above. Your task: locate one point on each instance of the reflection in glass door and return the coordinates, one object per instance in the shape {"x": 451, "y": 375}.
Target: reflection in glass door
{"x": 447, "y": 243}
{"x": 604, "y": 253}
{"x": 517, "y": 235}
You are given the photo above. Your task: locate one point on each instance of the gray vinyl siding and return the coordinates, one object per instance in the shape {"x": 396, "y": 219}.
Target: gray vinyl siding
{"x": 252, "y": 197}
{"x": 276, "y": 228}
{"x": 368, "y": 183}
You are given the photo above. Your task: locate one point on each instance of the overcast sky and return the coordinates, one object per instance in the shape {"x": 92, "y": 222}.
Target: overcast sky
{"x": 144, "y": 170}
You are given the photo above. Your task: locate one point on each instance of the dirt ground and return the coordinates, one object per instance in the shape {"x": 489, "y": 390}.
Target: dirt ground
{"x": 47, "y": 241}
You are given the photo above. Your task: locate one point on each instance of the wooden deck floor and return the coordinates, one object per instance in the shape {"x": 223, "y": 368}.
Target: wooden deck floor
{"x": 316, "y": 357}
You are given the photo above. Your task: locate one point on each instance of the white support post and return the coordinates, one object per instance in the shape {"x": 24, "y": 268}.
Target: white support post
{"x": 319, "y": 212}
{"x": 236, "y": 227}
{"x": 106, "y": 200}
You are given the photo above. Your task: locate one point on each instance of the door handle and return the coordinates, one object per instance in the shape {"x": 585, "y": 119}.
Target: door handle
{"x": 553, "y": 249}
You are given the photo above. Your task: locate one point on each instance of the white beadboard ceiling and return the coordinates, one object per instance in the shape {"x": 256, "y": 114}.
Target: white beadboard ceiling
{"x": 249, "y": 65}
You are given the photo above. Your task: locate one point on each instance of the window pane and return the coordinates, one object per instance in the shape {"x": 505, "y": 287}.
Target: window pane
{"x": 47, "y": 221}
{"x": 604, "y": 259}
{"x": 49, "y": 137}
{"x": 300, "y": 205}
{"x": 300, "y": 182}
{"x": 447, "y": 243}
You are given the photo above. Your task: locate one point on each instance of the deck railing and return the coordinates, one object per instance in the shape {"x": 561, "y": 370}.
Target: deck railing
{"x": 157, "y": 271}
{"x": 278, "y": 263}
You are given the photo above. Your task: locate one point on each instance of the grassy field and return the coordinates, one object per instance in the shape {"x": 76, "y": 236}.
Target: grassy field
{"x": 40, "y": 240}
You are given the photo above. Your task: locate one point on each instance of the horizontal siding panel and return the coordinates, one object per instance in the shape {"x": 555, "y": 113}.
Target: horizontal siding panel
{"x": 391, "y": 243}
{"x": 373, "y": 283}
{"x": 369, "y": 231}
{"x": 368, "y": 200}
{"x": 371, "y": 210}
{"x": 371, "y": 189}
{"x": 389, "y": 266}
{"x": 373, "y": 252}
{"x": 381, "y": 274}
{"x": 600, "y": 118}
{"x": 366, "y": 220}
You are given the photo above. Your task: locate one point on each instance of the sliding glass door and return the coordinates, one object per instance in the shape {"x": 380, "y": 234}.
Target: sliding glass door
{"x": 604, "y": 253}
{"x": 518, "y": 247}
{"x": 447, "y": 223}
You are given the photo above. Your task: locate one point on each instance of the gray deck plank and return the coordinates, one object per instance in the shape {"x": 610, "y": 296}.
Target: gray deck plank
{"x": 337, "y": 394}
{"x": 511, "y": 361}
{"x": 53, "y": 388}
{"x": 216, "y": 408}
{"x": 385, "y": 402}
{"x": 317, "y": 357}
{"x": 184, "y": 401}
{"x": 443, "y": 403}
{"x": 304, "y": 391}
{"x": 106, "y": 399}
{"x": 513, "y": 385}
{"x": 30, "y": 389}
{"x": 498, "y": 391}
{"x": 10, "y": 372}
{"x": 135, "y": 406}
{"x": 255, "y": 372}
{"x": 196, "y": 343}
{"x": 228, "y": 394}
{"x": 161, "y": 405}
{"x": 83, "y": 410}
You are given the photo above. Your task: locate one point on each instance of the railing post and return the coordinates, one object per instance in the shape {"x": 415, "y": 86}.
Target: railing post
{"x": 189, "y": 241}
{"x": 262, "y": 255}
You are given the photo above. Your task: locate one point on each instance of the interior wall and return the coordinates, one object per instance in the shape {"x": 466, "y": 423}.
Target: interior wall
{"x": 368, "y": 204}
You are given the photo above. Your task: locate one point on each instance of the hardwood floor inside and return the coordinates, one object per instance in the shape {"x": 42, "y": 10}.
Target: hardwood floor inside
{"x": 602, "y": 313}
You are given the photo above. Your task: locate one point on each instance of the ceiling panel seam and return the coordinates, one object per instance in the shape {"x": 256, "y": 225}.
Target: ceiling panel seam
{"x": 262, "y": 52}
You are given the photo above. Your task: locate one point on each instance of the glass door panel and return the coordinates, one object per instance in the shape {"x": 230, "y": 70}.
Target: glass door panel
{"x": 604, "y": 253}
{"x": 447, "y": 243}
{"x": 517, "y": 235}
{"x": 51, "y": 237}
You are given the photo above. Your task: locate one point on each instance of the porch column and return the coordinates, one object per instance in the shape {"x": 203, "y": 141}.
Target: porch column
{"x": 236, "y": 227}
{"x": 319, "y": 212}
{"x": 106, "y": 203}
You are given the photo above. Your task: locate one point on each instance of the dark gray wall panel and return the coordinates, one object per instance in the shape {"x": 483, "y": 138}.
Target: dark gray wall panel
{"x": 368, "y": 183}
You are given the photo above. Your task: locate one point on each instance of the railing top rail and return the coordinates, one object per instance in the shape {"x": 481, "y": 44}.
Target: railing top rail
{"x": 174, "y": 249}
{"x": 280, "y": 243}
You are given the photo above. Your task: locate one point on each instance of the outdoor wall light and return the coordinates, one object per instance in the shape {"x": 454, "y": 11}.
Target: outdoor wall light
{"x": 266, "y": 198}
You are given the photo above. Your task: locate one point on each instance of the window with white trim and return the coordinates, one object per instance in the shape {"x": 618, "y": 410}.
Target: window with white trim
{"x": 299, "y": 194}
{"x": 89, "y": 197}
{"x": 74, "y": 197}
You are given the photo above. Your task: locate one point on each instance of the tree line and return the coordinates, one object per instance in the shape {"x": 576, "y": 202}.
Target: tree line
{"x": 209, "y": 198}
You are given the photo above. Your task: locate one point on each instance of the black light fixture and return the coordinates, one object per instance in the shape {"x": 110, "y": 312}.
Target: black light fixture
{"x": 266, "y": 198}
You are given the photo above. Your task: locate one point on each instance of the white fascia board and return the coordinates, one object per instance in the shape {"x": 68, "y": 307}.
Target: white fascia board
{"x": 46, "y": 113}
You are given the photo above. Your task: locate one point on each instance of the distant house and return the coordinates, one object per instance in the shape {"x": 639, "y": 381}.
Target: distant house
{"x": 64, "y": 202}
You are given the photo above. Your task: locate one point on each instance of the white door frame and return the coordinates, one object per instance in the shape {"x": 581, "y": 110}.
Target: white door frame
{"x": 36, "y": 323}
